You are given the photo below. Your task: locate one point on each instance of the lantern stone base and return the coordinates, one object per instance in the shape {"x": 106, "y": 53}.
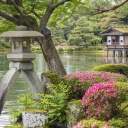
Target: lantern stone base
{"x": 21, "y": 65}
{"x": 34, "y": 119}
{"x": 23, "y": 57}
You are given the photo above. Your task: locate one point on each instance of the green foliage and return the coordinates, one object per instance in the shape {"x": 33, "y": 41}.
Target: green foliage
{"x": 69, "y": 50}
{"x": 83, "y": 32}
{"x": 28, "y": 103}
{"x": 54, "y": 104}
{"x": 108, "y": 19}
{"x": 123, "y": 98}
{"x": 116, "y": 68}
{"x": 122, "y": 13}
{"x": 13, "y": 127}
{"x": 6, "y": 26}
{"x": 94, "y": 123}
{"x": 60, "y": 50}
{"x": 117, "y": 123}
{"x": 16, "y": 115}
{"x": 36, "y": 49}
{"x": 54, "y": 77}
{"x": 6, "y": 45}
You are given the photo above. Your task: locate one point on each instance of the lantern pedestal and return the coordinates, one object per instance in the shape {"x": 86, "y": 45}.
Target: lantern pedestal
{"x": 26, "y": 57}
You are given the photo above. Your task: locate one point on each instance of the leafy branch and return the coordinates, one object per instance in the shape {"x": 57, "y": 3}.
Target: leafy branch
{"x": 102, "y": 9}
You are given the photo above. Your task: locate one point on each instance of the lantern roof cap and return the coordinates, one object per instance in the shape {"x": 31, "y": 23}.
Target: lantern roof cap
{"x": 21, "y": 31}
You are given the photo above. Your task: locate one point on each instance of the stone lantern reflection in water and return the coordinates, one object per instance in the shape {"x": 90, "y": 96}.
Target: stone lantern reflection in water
{"x": 20, "y": 61}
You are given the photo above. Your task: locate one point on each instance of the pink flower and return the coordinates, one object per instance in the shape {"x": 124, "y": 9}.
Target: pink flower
{"x": 97, "y": 99}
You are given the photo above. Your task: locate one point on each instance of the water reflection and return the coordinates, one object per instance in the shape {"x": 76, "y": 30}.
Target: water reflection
{"x": 117, "y": 60}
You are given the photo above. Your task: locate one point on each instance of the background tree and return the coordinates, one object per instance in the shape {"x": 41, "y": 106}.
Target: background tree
{"x": 58, "y": 34}
{"x": 109, "y": 19}
{"x": 122, "y": 13}
{"x": 84, "y": 32}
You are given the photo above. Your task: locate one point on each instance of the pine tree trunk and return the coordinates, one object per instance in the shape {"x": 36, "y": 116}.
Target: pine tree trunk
{"x": 51, "y": 56}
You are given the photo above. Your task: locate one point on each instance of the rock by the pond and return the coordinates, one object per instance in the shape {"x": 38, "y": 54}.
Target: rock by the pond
{"x": 34, "y": 119}
{"x": 4, "y": 120}
{"x": 75, "y": 113}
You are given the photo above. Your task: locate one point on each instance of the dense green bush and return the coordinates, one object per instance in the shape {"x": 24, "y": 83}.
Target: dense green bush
{"x": 94, "y": 123}
{"x": 6, "y": 45}
{"x": 53, "y": 76}
{"x": 116, "y": 68}
{"x": 36, "y": 49}
{"x": 60, "y": 50}
{"x": 117, "y": 123}
{"x": 70, "y": 50}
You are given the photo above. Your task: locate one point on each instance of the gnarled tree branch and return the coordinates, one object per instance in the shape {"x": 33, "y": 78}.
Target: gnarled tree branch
{"x": 2, "y": 1}
{"x": 50, "y": 9}
{"x": 16, "y": 7}
{"x": 36, "y": 14}
{"x": 102, "y": 10}
{"x": 32, "y": 11}
{"x": 59, "y": 3}
{"x": 10, "y": 18}
{"x": 18, "y": 2}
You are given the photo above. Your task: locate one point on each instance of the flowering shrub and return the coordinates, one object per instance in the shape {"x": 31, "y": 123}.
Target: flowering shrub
{"x": 100, "y": 100}
{"x": 80, "y": 81}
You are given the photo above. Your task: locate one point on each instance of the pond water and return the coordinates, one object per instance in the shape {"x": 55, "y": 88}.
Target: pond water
{"x": 72, "y": 62}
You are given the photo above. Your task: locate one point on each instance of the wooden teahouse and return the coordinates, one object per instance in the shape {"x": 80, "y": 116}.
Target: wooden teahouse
{"x": 116, "y": 41}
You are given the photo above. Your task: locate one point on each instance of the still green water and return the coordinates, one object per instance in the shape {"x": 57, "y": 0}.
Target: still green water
{"x": 72, "y": 62}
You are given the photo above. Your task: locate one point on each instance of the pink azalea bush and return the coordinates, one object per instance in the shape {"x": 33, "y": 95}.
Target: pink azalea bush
{"x": 100, "y": 100}
{"x": 80, "y": 81}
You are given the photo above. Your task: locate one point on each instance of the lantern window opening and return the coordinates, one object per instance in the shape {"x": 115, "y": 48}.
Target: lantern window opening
{"x": 16, "y": 44}
{"x": 25, "y": 44}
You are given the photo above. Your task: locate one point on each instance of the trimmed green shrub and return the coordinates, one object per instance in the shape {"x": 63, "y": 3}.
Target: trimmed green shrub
{"x": 53, "y": 76}
{"x": 6, "y": 45}
{"x": 60, "y": 50}
{"x": 117, "y": 123}
{"x": 93, "y": 123}
{"x": 116, "y": 68}
{"x": 70, "y": 50}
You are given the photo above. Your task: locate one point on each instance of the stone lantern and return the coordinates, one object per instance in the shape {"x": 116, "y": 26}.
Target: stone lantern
{"x": 20, "y": 61}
